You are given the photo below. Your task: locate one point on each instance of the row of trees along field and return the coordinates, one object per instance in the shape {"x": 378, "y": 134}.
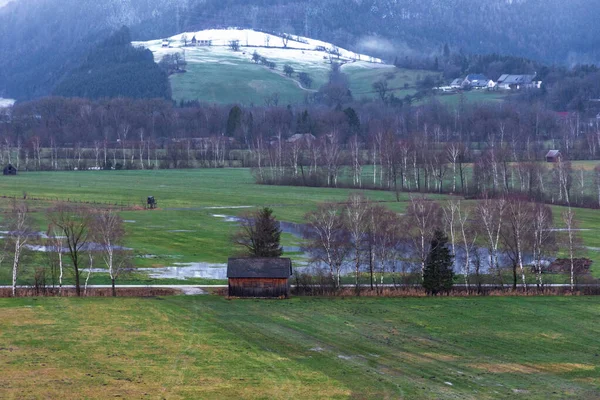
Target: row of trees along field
{"x": 382, "y": 243}
{"x": 432, "y": 147}
{"x": 64, "y": 123}
{"x": 76, "y": 238}
{"x": 421, "y": 165}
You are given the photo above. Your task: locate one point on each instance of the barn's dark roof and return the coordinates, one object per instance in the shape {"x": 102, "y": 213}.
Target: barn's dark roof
{"x": 259, "y": 268}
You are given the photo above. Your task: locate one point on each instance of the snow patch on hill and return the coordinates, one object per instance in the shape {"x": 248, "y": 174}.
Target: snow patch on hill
{"x": 5, "y": 2}
{"x": 5, "y": 103}
{"x": 297, "y": 50}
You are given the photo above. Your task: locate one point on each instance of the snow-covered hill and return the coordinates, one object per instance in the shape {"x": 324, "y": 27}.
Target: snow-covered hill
{"x": 295, "y": 49}
{"x": 217, "y": 73}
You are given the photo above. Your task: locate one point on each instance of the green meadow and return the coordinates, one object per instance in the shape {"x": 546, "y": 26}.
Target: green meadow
{"x": 189, "y": 225}
{"x": 311, "y": 348}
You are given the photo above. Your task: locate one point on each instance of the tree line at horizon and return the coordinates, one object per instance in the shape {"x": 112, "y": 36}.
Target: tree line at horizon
{"x": 467, "y": 149}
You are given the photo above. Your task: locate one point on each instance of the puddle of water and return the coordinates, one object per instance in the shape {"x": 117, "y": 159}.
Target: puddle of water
{"x": 188, "y": 270}
{"x": 199, "y": 270}
{"x": 64, "y": 249}
{"x": 226, "y": 218}
{"x": 292, "y": 249}
{"x": 41, "y": 235}
{"x": 129, "y": 221}
{"x": 147, "y": 256}
{"x": 565, "y": 230}
{"x": 192, "y": 291}
{"x": 226, "y": 207}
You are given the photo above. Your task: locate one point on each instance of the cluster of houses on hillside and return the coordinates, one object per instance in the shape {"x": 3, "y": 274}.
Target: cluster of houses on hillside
{"x": 482, "y": 82}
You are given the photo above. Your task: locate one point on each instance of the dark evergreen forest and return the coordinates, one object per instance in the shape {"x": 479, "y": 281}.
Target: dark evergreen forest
{"x": 116, "y": 69}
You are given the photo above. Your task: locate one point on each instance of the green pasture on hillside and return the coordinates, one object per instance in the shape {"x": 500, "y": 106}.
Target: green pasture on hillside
{"x": 311, "y": 348}
{"x": 231, "y": 84}
{"x": 238, "y": 81}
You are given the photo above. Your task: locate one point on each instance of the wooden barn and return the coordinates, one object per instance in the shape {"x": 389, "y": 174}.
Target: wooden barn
{"x": 553, "y": 156}
{"x": 259, "y": 277}
{"x": 10, "y": 170}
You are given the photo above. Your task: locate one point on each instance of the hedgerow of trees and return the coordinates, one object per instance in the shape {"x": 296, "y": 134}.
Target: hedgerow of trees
{"x": 506, "y": 243}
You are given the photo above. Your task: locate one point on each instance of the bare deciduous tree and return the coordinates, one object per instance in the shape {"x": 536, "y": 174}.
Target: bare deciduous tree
{"x": 19, "y": 225}
{"x": 573, "y": 241}
{"x": 355, "y": 215}
{"x": 56, "y": 244}
{"x": 109, "y": 233}
{"x": 74, "y": 223}
{"x": 543, "y": 239}
{"x": 516, "y": 234}
{"x": 422, "y": 218}
{"x": 457, "y": 223}
{"x": 384, "y": 239}
{"x": 490, "y": 214}
{"x": 327, "y": 239}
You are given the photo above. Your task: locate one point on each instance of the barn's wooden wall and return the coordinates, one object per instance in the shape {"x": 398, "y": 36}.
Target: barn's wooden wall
{"x": 259, "y": 287}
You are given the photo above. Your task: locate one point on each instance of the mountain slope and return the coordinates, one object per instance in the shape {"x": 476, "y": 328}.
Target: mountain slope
{"x": 41, "y": 40}
{"x": 116, "y": 69}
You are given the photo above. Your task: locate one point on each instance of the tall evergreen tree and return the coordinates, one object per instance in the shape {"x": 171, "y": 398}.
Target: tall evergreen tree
{"x": 234, "y": 121}
{"x": 438, "y": 274}
{"x": 260, "y": 234}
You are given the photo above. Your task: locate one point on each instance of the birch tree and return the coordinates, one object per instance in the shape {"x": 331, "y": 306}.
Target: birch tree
{"x": 89, "y": 272}
{"x": 327, "y": 240}
{"x": 56, "y": 244}
{"x": 355, "y": 150}
{"x": 453, "y": 151}
{"x": 356, "y": 222}
{"x": 490, "y": 215}
{"x": 109, "y": 233}
{"x": 19, "y": 224}
{"x": 543, "y": 239}
{"x": 568, "y": 217}
{"x": 466, "y": 235}
{"x": 384, "y": 237}
{"x": 422, "y": 219}
{"x": 516, "y": 234}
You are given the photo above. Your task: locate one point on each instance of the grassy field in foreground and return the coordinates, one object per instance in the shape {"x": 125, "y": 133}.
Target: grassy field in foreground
{"x": 211, "y": 348}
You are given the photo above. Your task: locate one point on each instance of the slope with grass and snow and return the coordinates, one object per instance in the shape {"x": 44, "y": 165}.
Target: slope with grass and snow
{"x": 216, "y": 73}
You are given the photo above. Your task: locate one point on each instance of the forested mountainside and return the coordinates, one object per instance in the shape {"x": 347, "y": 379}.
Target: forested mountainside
{"x": 40, "y": 40}
{"x": 43, "y": 40}
{"x": 115, "y": 68}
